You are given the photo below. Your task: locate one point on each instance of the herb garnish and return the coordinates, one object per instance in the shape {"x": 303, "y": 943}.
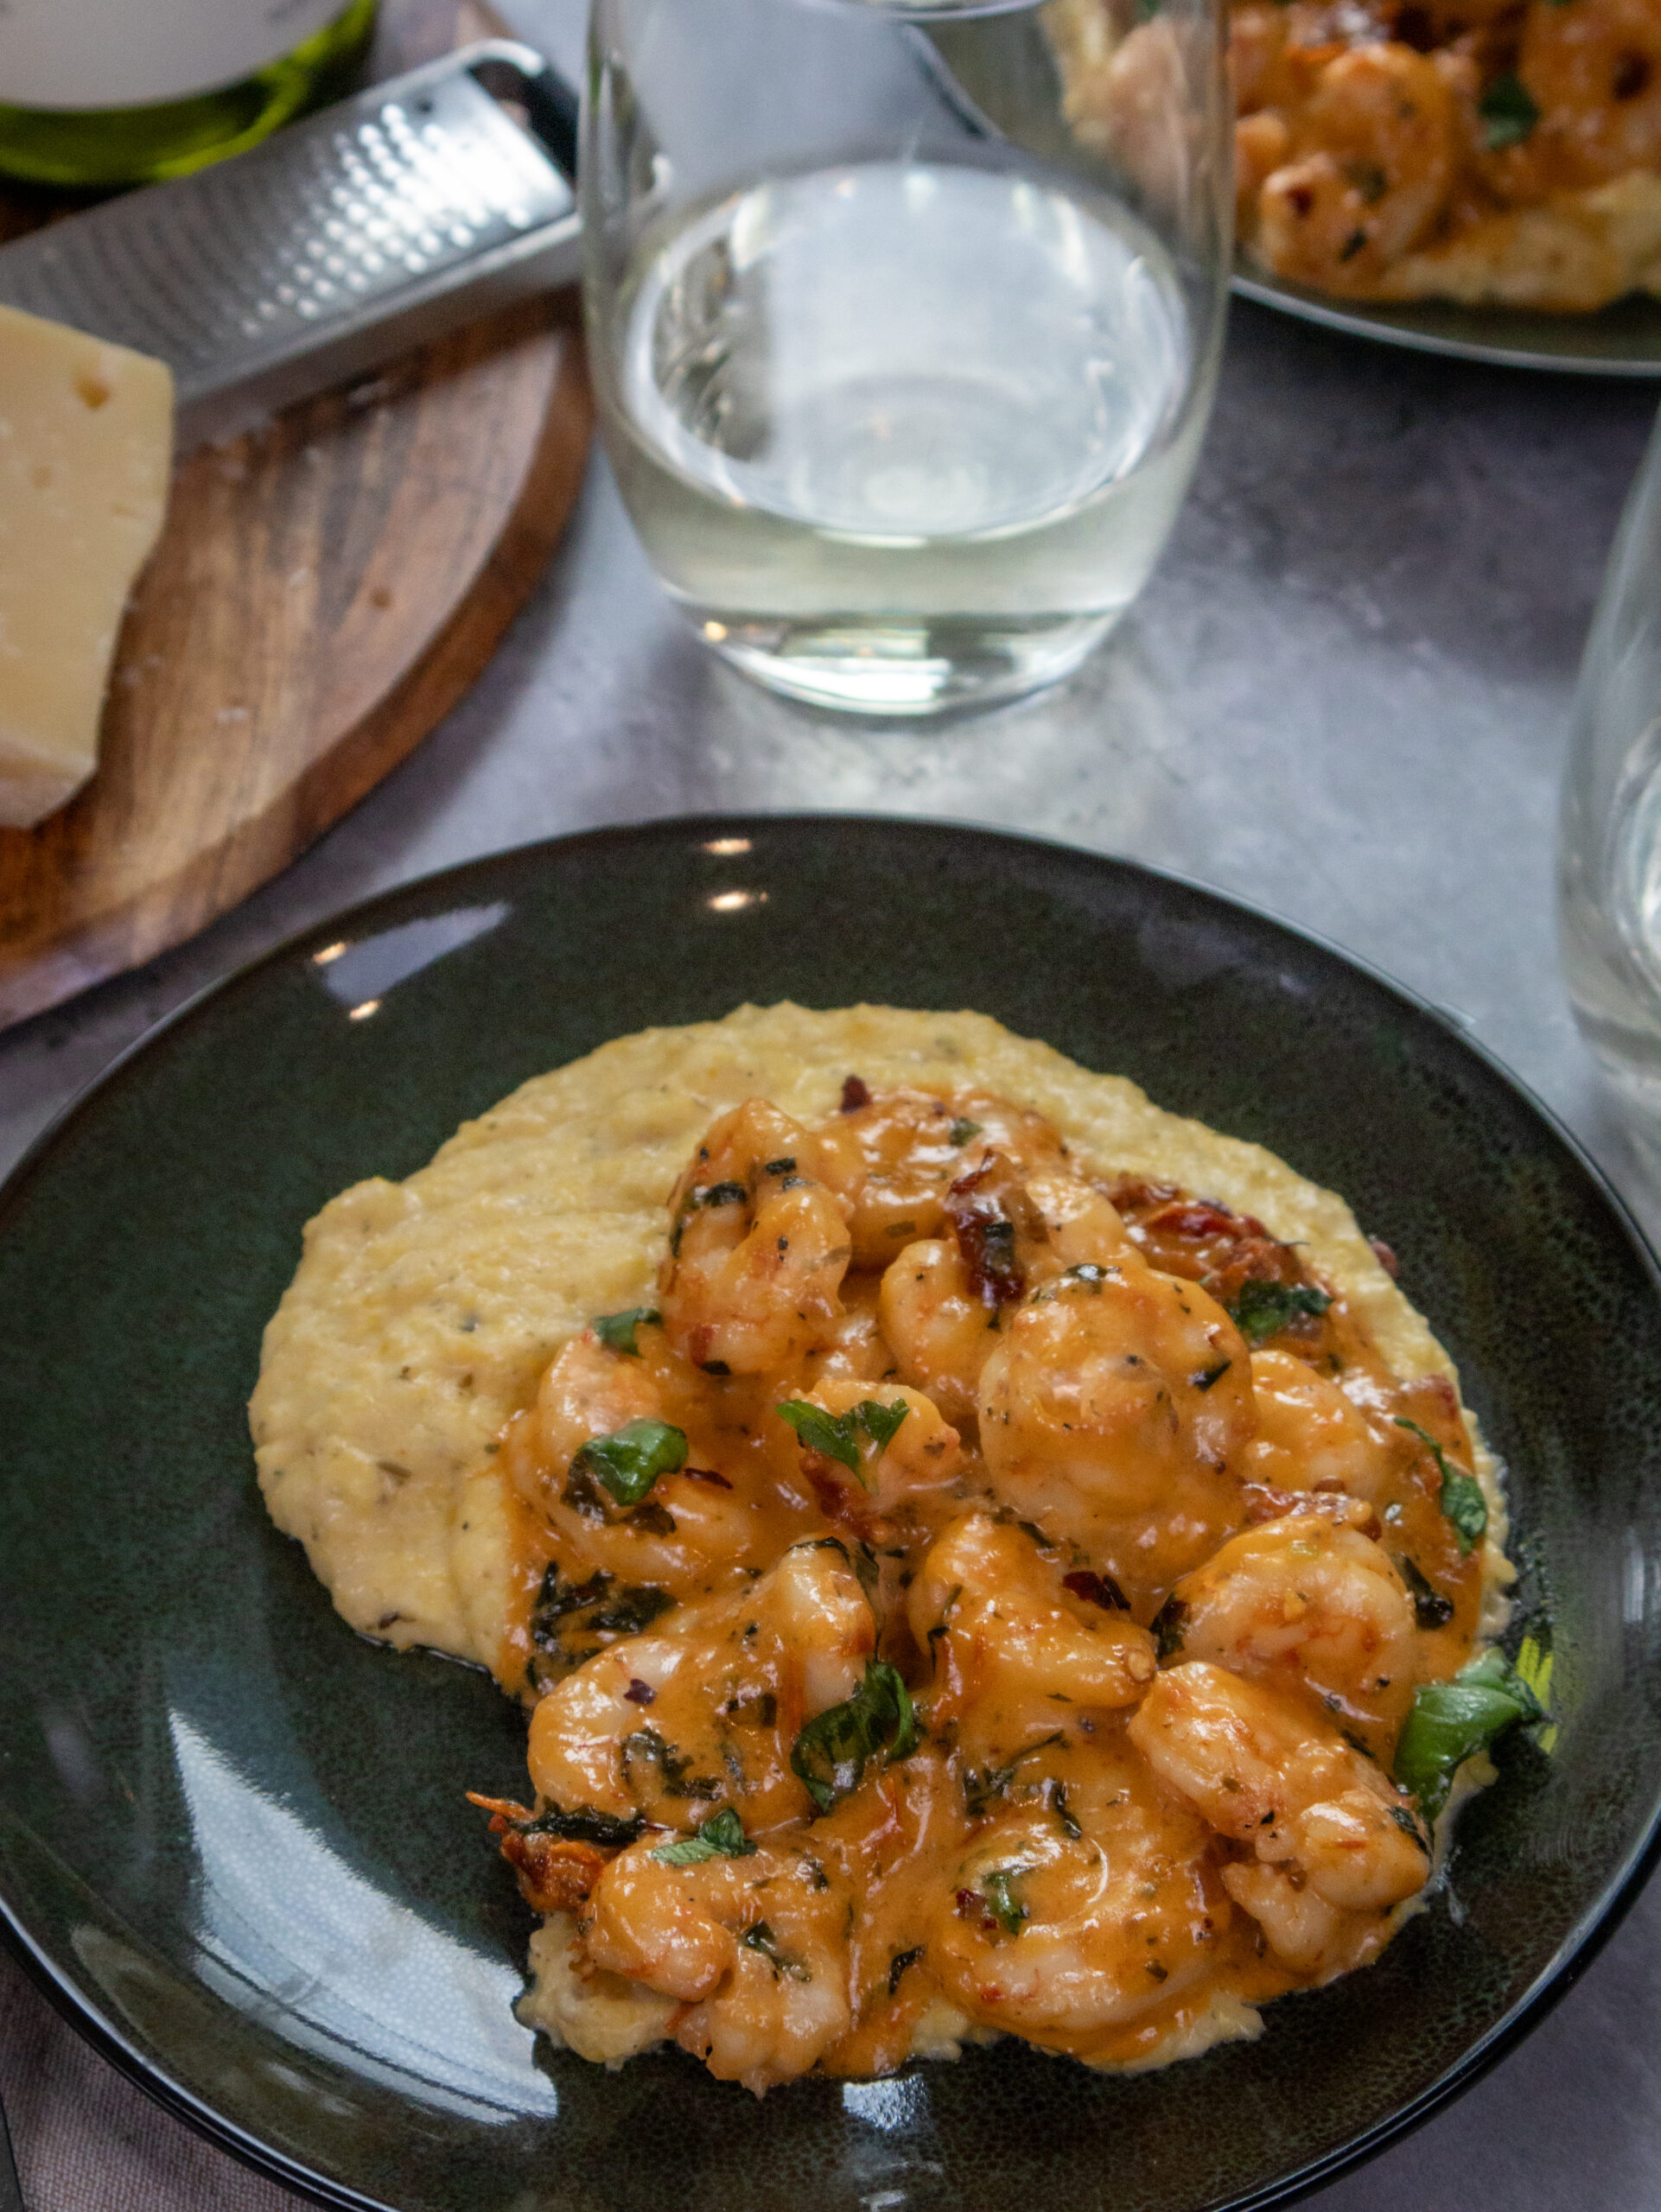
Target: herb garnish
{"x": 1057, "y": 1795}
{"x": 1461, "y": 1498}
{"x": 998, "y": 1890}
{"x": 880, "y": 1423}
{"x": 1169, "y": 1627}
{"x": 566, "y": 1616}
{"x": 630, "y": 1460}
{"x": 605, "y": 1831}
{"x": 671, "y": 1765}
{"x": 636, "y": 1605}
{"x": 722, "y": 1836}
{"x": 616, "y": 1330}
{"x": 1261, "y": 1310}
{"x": 898, "y": 1965}
{"x": 983, "y": 1785}
{"x": 1410, "y": 1827}
{"x": 761, "y": 1938}
{"x": 1508, "y": 111}
{"x": 830, "y": 1755}
{"x": 1432, "y": 1608}
{"x": 1452, "y": 1721}
{"x": 961, "y": 1129}
{"x": 837, "y": 1435}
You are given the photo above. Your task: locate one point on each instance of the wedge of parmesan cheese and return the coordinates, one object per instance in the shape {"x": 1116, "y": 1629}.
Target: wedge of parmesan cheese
{"x": 86, "y": 450}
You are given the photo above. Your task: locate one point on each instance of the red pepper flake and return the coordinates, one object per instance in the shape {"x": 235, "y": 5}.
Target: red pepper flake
{"x": 1386, "y": 1259}
{"x": 639, "y": 1693}
{"x": 855, "y": 1094}
{"x": 972, "y": 1906}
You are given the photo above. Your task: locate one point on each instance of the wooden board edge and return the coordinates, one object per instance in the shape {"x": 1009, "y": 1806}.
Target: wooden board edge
{"x": 258, "y": 848}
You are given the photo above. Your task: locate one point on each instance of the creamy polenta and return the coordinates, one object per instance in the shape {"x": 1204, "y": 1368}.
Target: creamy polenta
{"x": 982, "y": 1553}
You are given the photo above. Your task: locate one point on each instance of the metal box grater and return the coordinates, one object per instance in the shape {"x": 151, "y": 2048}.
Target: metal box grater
{"x": 344, "y": 240}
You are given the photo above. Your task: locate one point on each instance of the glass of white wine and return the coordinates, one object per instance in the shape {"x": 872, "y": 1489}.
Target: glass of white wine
{"x": 905, "y": 321}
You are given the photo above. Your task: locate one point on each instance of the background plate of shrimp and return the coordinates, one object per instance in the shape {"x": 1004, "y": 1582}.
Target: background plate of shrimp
{"x": 234, "y": 1837}
{"x": 1474, "y": 177}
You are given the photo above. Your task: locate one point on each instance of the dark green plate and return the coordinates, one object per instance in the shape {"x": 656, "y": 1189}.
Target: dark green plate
{"x": 232, "y": 1840}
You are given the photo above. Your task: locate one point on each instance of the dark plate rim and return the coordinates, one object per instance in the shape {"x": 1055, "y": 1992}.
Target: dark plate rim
{"x": 1380, "y": 327}
{"x": 1580, "y": 1947}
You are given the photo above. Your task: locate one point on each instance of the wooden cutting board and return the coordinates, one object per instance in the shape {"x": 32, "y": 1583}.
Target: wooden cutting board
{"x": 323, "y": 593}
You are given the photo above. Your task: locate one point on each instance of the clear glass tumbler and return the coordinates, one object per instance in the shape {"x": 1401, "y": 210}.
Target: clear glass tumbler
{"x": 905, "y": 321}
{"x": 1609, "y": 848}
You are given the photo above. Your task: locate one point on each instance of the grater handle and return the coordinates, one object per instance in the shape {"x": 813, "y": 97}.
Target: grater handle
{"x": 511, "y": 71}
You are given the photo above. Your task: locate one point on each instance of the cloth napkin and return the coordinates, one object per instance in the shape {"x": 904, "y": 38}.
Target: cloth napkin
{"x": 87, "y": 2140}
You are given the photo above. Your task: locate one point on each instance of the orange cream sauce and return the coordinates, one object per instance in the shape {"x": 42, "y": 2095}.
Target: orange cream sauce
{"x": 1157, "y": 1564}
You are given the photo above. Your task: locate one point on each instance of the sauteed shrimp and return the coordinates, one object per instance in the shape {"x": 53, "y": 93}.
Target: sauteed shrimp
{"x": 982, "y": 1598}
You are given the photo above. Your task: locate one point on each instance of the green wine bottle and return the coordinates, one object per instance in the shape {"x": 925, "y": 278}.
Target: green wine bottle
{"x": 99, "y": 93}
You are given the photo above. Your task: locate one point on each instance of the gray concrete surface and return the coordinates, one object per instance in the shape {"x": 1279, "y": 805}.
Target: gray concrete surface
{"x": 1345, "y": 696}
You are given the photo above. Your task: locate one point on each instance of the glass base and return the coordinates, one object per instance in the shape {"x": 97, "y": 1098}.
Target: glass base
{"x": 904, "y": 669}
{"x": 98, "y": 150}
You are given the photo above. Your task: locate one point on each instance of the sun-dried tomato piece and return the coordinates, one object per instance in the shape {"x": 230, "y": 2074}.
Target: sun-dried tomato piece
{"x": 554, "y": 1875}
{"x": 1096, "y": 1590}
{"x": 986, "y": 1234}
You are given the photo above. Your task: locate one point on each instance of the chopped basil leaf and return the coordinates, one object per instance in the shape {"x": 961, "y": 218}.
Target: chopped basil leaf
{"x": 1508, "y": 112}
{"x": 631, "y": 1459}
{"x": 830, "y": 1434}
{"x": 1452, "y": 1721}
{"x": 1410, "y": 1827}
{"x": 672, "y": 1764}
{"x": 634, "y": 1608}
{"x": 761, "y": 1938}
{"x": 1058, "y": 1806}
{"x": 616, "y": 1330}
{"x": 961, "y": 1129}
{"x": 1261, "y": 1310}
{"x": 898, "y": 1965}
{"x": 830, "y": 1754}
{"x": 1461, "y": 1498}
{"x": 603, "y": 1830}
{"x": 1169, "y": 1627}
{"x": 1431, "y": 1608}
{"x": 998, "y": 1888}
{"x": 837, "y": 1435}
{"x": 568, "y": 1617}
{"x": 722, "y": 1836}
{"x": 882, "y": 1423}
{"x": 982, "y": 1786}
{"x": 787, "y": 1166}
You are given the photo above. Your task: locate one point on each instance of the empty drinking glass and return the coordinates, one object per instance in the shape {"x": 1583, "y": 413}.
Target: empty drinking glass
{"x": 1609, "y": 849}
{"x": 905, "y": 321}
